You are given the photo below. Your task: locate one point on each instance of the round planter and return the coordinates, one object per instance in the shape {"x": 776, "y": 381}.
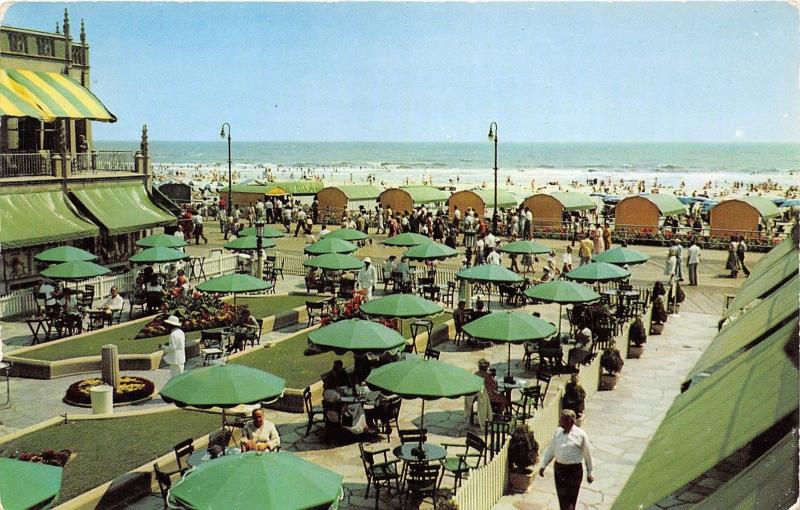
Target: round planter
{"x": 656, "y": 329}
{"x": 635, "y": 352}
{"x": 518, "y": 483}
{"x": 608, "y": 381}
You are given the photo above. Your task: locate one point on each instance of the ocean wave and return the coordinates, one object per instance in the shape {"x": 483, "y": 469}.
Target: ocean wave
{"x": 670, "y": 167}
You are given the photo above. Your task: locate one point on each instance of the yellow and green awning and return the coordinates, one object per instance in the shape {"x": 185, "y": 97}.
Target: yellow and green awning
{"x": 48, "y": 96}
{"x": 19, "y": 229}
{"x": 123, "y": 209}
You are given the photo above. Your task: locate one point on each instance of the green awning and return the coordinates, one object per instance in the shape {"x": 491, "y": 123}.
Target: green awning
{"x": 123, "y": 209}
{"x": 504, "y": 197}
{"x": 669, "y": 205}
{"x": 426, "y": 194}
{"x": 750, "y": 327}
{"x": 573, "y": 201}
{"x": 712, "y": 420}
{"x": 765, "y": 207}
{"x": 359, "y": 191}
{"x": 19, "y": 225}
{"x": 764, "y": 280}
{"x": 298, "y": 188}
{"x": 769, "y": 482}
{"x": 255, "y": 189}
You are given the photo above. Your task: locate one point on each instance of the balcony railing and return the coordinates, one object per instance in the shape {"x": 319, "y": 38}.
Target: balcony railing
{"x": 24, "y": 165}
{"x": 103, "y": 161}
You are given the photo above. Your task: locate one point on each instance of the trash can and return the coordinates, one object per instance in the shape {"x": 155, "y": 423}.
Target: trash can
{"x": 102, "y": 399}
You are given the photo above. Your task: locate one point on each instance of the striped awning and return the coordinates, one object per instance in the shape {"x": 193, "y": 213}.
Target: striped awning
{"x": 48, "y": 96}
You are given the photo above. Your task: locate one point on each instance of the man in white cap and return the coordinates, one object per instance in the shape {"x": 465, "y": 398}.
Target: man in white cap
{"x": 367, "y": 277}
{"x": 175, "y": 350}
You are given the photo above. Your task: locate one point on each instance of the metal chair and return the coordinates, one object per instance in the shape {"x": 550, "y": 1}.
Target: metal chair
{"x": 380, "y": 471}
{"x": 523, "y": 408}
{"x": 315, "y": 310}
{"x": 211, "y": 345}
{"x": 449, "y": 294}
{"x": 471, "y": 457}
{"x": 494, "y": 434}
{"x": 542, "y": 378}
{"x": 531, "y": 348}
{"x": 184, "y": 449}
{"x": 422, "y": 481}
{"x": 312, "y": 411}
{"x": 164, "y": 479}
{"x": 412, "y": 435}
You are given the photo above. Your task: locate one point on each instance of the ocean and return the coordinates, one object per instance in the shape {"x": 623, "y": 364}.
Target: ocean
{"x": 471, "y": 163}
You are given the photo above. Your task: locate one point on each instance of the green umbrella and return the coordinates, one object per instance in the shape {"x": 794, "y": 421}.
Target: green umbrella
{"x": 347, "y": 234}
{"x": 401, "y": 306}
{"x": 622, "y": 256}
{"x": 330, "y": 245}
{"x": 268, "y": 481}
{"x": 162, "y": 240}
{"x": 157, "y": 255}
{"x": 429, "y": 251}
{"x": 65, "y": 254}
{"x": 562, "y": 292}
{"x": 525, "y": 248}
{"x": 234, "y": 284}
{"x": 270, "y": 233}
{"x": 510, "y": 328}
{"x": 489, "y": 273}
{"x": 358, "y": 336}
{"x": 407, "y": 239}
{"x": 598, "y": 272}
{"x": 26, "y": 485}
{"x": 76, "y": 270}
{"x": 222, "y": 386}
{"x": 248, "y": 243}
{"x": 334, "y": 262}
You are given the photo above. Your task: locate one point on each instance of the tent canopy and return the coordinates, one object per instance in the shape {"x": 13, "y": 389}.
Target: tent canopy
{"x": 573, "y": 201}
{"x": 426, "y": 194}
{"x": 359, "y": 191}
{"x": 504, "y": 197}
{"x": 765, "y": 207}
{"x": 298, "y": 188}
{"x": 123, "y": 209}
{"x": 669, "y": 205}
{"x": 17, "y": 212}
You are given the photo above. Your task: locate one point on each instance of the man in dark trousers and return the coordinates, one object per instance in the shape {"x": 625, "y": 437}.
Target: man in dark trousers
{"x": 741, "y": 249}
{"x": 570, "y": 445}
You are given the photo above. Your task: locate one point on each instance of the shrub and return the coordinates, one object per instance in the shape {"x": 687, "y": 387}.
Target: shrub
{"x": 51, "y": 457}
{"x": 131, "y": 389}
{"x": 523, "y": 450}
{"x": 611, "y": 361}
{"x": 637, "y": 333}
{"x": 200, "y": 311}
{"x": 574, "y": 396}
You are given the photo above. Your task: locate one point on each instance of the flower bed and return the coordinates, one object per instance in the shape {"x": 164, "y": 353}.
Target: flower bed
{"x": 352, "y": 310}
{"x": 51, "y": 457}
{"x": 196, "y": 312}
{"x": 131, "y": 389}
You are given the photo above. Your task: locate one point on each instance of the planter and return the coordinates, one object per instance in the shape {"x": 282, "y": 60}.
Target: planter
{"x": 656, "y": 328}
{"x": 519, "y": 483}
{"x": 608, "y": 382}
{"x": 635, "y": 352}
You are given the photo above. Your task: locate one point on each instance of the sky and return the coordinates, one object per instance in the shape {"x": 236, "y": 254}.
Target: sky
{"x": 428, "y": 72}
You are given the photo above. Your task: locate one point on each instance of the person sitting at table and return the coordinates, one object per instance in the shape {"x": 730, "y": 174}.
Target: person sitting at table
{"x": 546, "y": 277}
{"x": 312, "y": 280}
{"x": 338, "y": 376}
{"x": 498, "y": 401}
{"x": 154, "y": 292}
{"x": 460, "y": 316}
{"x": 405, "y": 272}
{"x": 260, "y": 430}
{"x": 249, "y": 323}
{"x": 113, "y": 303}
{"x": 479, "y": 311}
{"x": 50, "y": 292}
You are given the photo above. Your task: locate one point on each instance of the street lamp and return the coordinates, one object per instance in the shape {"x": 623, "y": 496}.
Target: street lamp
{"x": 222, "y": 135}
{"x": 494, "y": 138}
{"x": 259, "y": 224}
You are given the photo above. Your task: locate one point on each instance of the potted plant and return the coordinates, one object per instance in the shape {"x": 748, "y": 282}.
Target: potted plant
{"x": 523, "y": 452}
{"x": 574, "y": 398}
{"x": 611, "y": 363}
{"x": 637, "y": 336}
{"x": 659, "y": 316}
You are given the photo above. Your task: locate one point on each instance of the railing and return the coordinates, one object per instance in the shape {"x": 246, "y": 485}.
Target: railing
{"x": 103, "y": 161}
{"x": 25, "y": 165}
{"x": 485, "y": 485}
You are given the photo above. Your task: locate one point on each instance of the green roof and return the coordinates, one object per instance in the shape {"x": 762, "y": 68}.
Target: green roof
{"x": 504, "y": 197}
{"x": 296, "y": 187}
{"x": 256, "y": 189}
{"x": 22, "y": 222}
{"x": 765, "y": 207}
{"x": 573, "y": 201}
{"x": 769, "y": 482}
{"x": 668, "y": 204}
{"x": 123, "y": 209}
{"x": 359, "y": 191}
{"x": 763, "y": 280}
{"x": 426, "y": 194}
{"x": 750, "y": 327}
{"x": 713, "y": 419}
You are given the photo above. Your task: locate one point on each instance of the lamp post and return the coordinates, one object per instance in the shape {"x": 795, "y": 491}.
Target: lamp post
{"x": 259, "y": 224}
{"x": 222, "y": 135}
{"x": 494, "y": 138}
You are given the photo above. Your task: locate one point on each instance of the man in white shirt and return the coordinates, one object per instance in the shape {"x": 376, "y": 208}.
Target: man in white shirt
{"x": 113, "y": 302}
{"x": 301, "y": 221}
{"x": 493, "y": 258}
{"x": 261, "y": 431}
{"x": 569, "y": 446}
{"x": 693, "y": 261}
{"x": 48, "y": 290}
{"x": 367, "y": 277}
{"x": 491, "y": 241}
{"x": 175, "y": 350}
{"x": 197, "y": 228}
{"x": 325, "y": 231}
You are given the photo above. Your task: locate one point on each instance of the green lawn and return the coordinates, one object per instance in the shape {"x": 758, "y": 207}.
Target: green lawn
{"x": 125, "y": 336}
{"x": 107, "y": 449}
{"x": 286, "y": 358}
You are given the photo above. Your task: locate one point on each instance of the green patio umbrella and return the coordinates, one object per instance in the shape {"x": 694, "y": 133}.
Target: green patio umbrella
{"x": 269, "y": 233}
{"x": 491, "y": 274}
{"x": 622, "y": 256}
{"x": 334, "y": 262}
{"x": 248, "y": 243}
{"x": 563, "y": 293}
{"x": 430, "y": 251}
{"x": 65, "y": 254}
{"x": 401, "y": 306}
{"x": 26, "y": 485}
{"x": 233, "y": 284}
{"x": 268, "y": 481}
{"x": 75, "y": 270}
{"x": 157, "y": 255}
{"x": 346, "y": 234}
{"x": 407, "y": 239}
{"x": 598, "y": 272}
{"x": 161, "y": 240}
{"x": 330, "y": 245}
{"x": 426, "y": 379}
{"x": 510, "y": 328}
{"x": 358, "y": 336}
{"x": 525, "y": 248}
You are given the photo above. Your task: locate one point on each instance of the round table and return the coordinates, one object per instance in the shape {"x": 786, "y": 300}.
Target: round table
{"x": 409, "y": 452}
{"x": 518, "y": 384}
{"x": 202, "y": 456}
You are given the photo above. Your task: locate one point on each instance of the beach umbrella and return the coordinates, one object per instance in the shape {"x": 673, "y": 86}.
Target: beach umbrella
{"x": 426, "y": 379}
{"x": 401, "y": 306}
{"x": 407, "y": 239}
{"x": 65, "y": 254}
{"x": 612, "y": 199}
{"x": 563, "y": 293}
{"x": 157, "y": 255}
{"x": 234, "y": 284}
{"x": 525, "y": 248}
{"x": 622, "y": 256}
{"x": 430, "y": 251}
{"x": 334, "y": 262}
{"x": 248, "y": 243}
{"x": 510, "y": 328}
{"x": 75, "y": 270}
{"x": 26, "y": 485}
{"x": 262, "y": 481}
{"x": 269, "y": 233}
{"x": 162, "y": 240}
{"x": 357, "y": 336}
{"x": 347, "y": 234}
{"x": 490, "y": 274}
{"x": 330, "y": 245}
{"x": 794, "y": 202}
{"x": 598, "y": 272}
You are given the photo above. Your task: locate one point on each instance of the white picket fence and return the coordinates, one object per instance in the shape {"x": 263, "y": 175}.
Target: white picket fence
{"x": 485, "y": 485}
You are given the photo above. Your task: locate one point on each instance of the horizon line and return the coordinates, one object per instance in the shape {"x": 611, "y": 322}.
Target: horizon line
{"x": 588, "y": 142}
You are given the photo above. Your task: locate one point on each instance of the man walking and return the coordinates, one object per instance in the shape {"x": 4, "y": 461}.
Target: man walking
{"x": 693, "y": 261}
{"x": 585, "y": 249}
{"x": 569, "y": 446}
{"x": 174, "y": 351}
{"x": 367, "y": 277}
{"x": 741, "y": 249}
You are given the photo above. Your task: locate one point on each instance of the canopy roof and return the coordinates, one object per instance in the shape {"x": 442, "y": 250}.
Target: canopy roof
{"x": 765, "y": 207}
{"x": 426, "y": 194}
{"x": 256, "y": 189}
{"x": 294, "y": 187}
{"x": 574, "y": 201}
{"x": 123, "y": 209}
{"x": 359, "y": 191}
{"x": 763, "y": 280}
{"x": 504, "y": 197}
{"x": 713, "y": 419}
{"x": 667, "y": 204}
{"x": 18, "y": 212}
